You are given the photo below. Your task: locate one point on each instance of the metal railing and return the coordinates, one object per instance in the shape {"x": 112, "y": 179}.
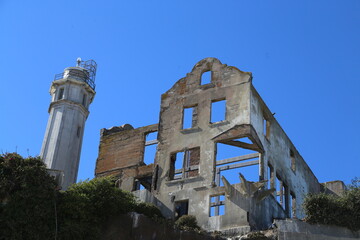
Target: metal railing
{"x": 87, "y": 76}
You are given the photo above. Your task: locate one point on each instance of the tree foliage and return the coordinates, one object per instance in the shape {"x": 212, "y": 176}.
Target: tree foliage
{"x": 27, "y": 197}
{"x": 188, "y": 223}
{"x": 334, "y": 210}
{"x": 32, "y": 207}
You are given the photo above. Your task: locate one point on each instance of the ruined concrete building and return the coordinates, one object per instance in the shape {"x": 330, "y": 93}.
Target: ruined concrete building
{"x": 188, "y": 174}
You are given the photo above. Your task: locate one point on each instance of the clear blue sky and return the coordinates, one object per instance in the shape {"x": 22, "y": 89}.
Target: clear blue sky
{"x": 304, "y": 56}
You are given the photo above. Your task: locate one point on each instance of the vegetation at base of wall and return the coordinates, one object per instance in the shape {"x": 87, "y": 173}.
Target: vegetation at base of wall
{"x": 149, "y": 210}
{"x": 188, "y": 223}
{"x": 32, "y": 207}
{"x": 341, "y": 211}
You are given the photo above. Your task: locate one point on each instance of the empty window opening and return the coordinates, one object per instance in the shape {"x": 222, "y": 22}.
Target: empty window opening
{"x": 286, "y": 202}
{"x": 78, "y": 132}
{"x": 150, "y": 148}
{"x": 217, "y": 205}
{"x": 231, "y": 159}
{"x": 206, "y": 77}
{"x": 189, "y": 117}
{"x": 232, "y": 148}
{"x": 84, "y": 100}
{"x": 185, "y": 164}
{"x": 142, "y": 183}
{"x": 218, "y": 111}
{"x": 251, "y": 173}
{"x": 266, "y": 127}
{"x": 293, "y": 161}
{"x": 279, "y": 190}
{"x": 61, "y": 94}
{"x": 292, "y": 205}
{"x": 181, "y": 208}
{"x": 270, "y": 176}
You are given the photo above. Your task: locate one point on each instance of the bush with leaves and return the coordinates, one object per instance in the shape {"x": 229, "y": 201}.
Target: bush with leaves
{"x": 27, "y": 198}
{"x": 335, "y": 210}
{"x": 188, "y": 223}
{"x": 32, "y": 207}
{"x": 86, "y": 206}
{"x": 149, "y": 210}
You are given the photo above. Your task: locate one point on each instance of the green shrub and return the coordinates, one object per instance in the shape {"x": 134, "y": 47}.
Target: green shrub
{"x": 149, "y": 210}
{"x": 85, "y": 207}
{"x": 27, "y": 198}
{"x": 187, "y": 222}
{"x": 32, "y": 207}
{"x": 334, "y": 210}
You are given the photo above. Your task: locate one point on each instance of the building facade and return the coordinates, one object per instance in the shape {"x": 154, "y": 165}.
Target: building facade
{"x": 220, "y": 155}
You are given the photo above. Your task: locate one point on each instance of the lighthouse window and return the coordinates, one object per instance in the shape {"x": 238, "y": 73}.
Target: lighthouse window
{"x": 61, "y": 94}
{"x": 84, "y": 100}
{"x": 78, "y": 132}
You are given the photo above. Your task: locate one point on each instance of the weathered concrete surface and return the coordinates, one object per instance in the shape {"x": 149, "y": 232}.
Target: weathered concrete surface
{"x": 197, "y": 181}
{"x": 334, "y": 187}
{"x": 291, "y": 229}
{"x": 134, "y": 226}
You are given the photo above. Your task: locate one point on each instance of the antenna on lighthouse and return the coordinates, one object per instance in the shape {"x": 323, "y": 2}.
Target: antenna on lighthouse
{"x": 78, "y": 60}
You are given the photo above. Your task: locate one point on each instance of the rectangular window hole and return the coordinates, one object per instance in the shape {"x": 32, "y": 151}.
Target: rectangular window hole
{"x": 78, "y": 132}
{"x": 251, "y": 173}
{"x": 206, "y": 77}
{"x": 266, "y": 128}
{"x": 217, "y": 205}
{"x": 84, "y": 100}
{"x": 150, "y": 148}
{"x": 181, "y": 208}
{"x": 224, "y": 151}
{"x": 292, "y": 205}
{"x": 189, "y": 117}
{"x": 293, "y": 161}
{"x": 149, "y": 154}
{"x": 142, "y": 183}
{"x": 218, "y": 111}
{"x": 61, "y": 94}
{"x": 270, "y": 175}
{"x": 151, "y": 136}
{"x": 185, "y": 164}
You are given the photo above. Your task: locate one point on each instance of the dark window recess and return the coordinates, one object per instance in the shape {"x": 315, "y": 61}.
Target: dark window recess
{"x": 185, "y": 164}
{"x": 292, "y": 205}
{"x": 142, "y": 183}
{"x": 78, "y": 132}
{"x": 218, "y": 111}
{"x": 181, "y": 208}
{"x": 155, "y": 178}
{"x": 61, "y": 94}
{"x": 270, "y": 181}
{"x": 217, "y": 205}
{"x": 266, "y": 128}
{"x": 206, "y": 77}
{"x": 84, "y": 100}
{"x": 189, "y": 117}
{"x": 293, "y": 161}
{"x": 279, "y": 187}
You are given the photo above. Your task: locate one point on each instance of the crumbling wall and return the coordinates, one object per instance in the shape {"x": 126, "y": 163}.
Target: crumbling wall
{"x": 186, "y": 177}
{"x": 121, "y": 153}
{"x": 288, "y": 167}
{"x": 229, "y": 84}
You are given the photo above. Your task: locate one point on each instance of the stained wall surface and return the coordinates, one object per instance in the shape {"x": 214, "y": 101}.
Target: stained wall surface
{"x": 186, "y": 176}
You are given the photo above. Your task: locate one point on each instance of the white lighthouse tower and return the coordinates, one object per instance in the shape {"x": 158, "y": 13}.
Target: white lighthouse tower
{"x": 71, "y": 94}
